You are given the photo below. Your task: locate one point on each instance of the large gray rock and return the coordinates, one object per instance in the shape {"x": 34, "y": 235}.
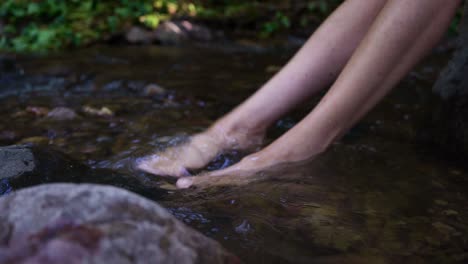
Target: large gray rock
{"x": 69, "y": 223}
{"x": 451, "y": 115}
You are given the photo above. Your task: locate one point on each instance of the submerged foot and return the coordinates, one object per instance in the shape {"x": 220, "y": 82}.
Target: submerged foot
{"x": 243, "y": 172}
{"x": 248, "y": 169}
{"x": 197, "y": 152}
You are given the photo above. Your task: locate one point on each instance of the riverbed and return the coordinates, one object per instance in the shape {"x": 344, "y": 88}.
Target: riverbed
{"x": 382, "y": 194}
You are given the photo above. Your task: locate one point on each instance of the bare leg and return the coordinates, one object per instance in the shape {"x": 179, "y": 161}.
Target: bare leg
{"x": 313, "y": 68}
{"x": 403, "y": 32}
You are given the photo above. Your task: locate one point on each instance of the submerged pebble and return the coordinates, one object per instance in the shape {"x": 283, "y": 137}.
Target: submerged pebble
{"x": 154, "y": 90}
{"x": 243, "y": 228}
{"x": 62, "y": 114}
{"x": 103, "y": 111}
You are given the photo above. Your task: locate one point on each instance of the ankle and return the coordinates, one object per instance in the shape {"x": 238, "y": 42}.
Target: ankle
{"x": 284, "y": 150}
{"x": 238, "y": 136}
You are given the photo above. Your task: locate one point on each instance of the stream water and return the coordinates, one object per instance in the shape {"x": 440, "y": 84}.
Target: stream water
{"x": 380, "y": 195}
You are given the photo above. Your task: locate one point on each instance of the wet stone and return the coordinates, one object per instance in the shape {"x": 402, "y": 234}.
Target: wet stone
{"x": 25, "y": 166}
{"x": 154, "y": 90}
{"x": 139, "y": 35}
{"x": 5, "y": 187}
{"x": 62, "y": 114}
{"x": 15, "y": 161}
{"x": 37, "y": 110}
{"x": 69, "y": 223}
{"x": 179, "y": 32}
{"x": 103, "y": 111}
{"x": 113, "y": 86}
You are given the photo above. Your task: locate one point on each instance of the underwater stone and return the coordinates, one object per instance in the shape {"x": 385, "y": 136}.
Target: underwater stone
{"x": 15, "y": 161}
{"x": 62, "y": 114}
{"x": 25, "y": 166}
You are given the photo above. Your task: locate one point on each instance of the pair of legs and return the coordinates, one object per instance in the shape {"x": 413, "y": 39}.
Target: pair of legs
{"x": 364, "y": 48}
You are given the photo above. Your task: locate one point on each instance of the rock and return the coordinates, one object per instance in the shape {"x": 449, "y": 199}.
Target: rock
{"x": 5, "y": 187}
{"x": 25, "y": 166}
{"x": 62, "y": 114}
{"x": 16, "y": 161}
{"x": 37, "y": 110}
{"x": 68, "y": 223}
{"x": 103, "y": 111}
{"x": 196, "y": 32}
{"x": 153, "y": 90}
{"x": 444, "y": 228}
{"x": 450, "y": 119}
{"x": 136, "y": 35}
{"x": 178, "y": 32}
{"x": 112, "y": 86}
{"x": 135, "y": 86}
{"x": 170, "y": 32}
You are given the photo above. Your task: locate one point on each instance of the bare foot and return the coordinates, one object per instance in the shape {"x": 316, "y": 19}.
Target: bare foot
{"x": 199, "y": 151}
{"x": 247, "y": 170}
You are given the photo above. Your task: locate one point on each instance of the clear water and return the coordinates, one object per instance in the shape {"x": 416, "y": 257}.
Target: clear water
{"x": 380, "y": 195}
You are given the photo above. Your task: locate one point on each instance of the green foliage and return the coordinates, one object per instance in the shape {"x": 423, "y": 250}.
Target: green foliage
{"x": 53, "y": 24}
{"x": 43, "y": 25}
{"x": 312, "y": 10}
{"x": 280, "y": 21}
{"x": 322, "y": 6}
{"x": 456, "y": 22}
